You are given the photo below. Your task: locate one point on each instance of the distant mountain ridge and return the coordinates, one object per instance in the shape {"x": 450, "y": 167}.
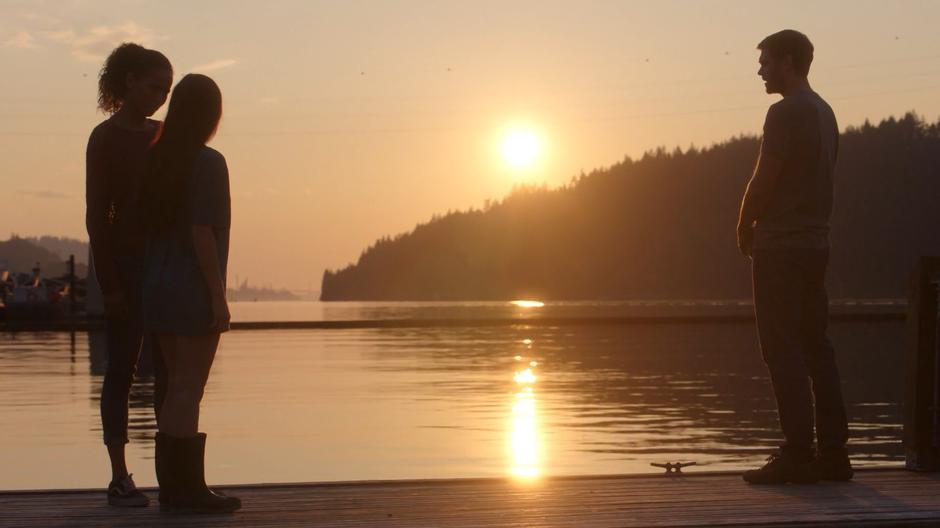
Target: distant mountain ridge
{"x": 63, "y": 247}
{"x": 662, "y": 227}
{"x": 51, "y": 253}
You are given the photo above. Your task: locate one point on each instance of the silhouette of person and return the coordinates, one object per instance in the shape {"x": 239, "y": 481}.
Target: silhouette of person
{"x": 188, "y": 215}
{"x": 784, "y": 228}
{"x": 133, "y": 84}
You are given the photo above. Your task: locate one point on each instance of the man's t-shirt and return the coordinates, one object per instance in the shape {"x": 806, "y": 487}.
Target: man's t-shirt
{"x": 801, "y": 131}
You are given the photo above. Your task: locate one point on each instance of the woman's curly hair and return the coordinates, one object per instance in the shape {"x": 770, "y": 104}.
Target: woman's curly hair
{"x": 126, "y": 58}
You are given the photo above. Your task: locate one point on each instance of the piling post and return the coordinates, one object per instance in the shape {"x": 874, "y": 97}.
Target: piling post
{"x": 922, "y": 370}
{"x": 71, "y": 285}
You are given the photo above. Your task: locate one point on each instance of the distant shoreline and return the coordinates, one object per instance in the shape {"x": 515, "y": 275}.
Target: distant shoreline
{"x": 857, "y": 311}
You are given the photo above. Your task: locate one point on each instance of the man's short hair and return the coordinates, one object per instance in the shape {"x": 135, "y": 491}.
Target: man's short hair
{"x": 793, "y": 43}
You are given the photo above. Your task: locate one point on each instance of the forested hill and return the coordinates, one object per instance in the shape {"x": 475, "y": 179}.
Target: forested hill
{"x": 663, "y": 227}
{"x": 21, "y": 255}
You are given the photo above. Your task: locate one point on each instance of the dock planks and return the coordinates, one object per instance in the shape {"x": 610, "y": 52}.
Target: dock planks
{"x": 891, "y": 497}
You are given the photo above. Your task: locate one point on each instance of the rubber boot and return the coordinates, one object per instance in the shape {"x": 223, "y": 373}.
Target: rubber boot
{"x": 192, "y": 495}
{"x": 164, "y": 466}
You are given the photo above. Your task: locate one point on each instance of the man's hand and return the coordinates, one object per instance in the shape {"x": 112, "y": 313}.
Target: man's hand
{"x": 757, "y": 196}
{"x": 745, "y": 239}
{"x": 115, "y": 305}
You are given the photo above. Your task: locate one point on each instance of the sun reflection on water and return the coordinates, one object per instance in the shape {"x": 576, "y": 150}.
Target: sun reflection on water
{"x": 525, "y": 376}
{"x": 524, "y": 437}
{"x": 522, "y": 303}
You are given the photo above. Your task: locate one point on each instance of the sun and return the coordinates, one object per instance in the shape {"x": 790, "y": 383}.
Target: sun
{"x": 521, "y": 148}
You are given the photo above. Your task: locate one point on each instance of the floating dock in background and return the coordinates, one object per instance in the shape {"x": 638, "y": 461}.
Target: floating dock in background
{"x": 695, "y": 314}
{"x": 877, "y": 497}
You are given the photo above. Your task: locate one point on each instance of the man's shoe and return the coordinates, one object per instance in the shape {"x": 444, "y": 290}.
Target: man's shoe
{"x": 783, "y": 468}
{"x": 834, "y": 465}
{"x": 125, "y": 493}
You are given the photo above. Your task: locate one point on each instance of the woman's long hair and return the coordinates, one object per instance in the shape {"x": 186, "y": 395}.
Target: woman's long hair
{"x": 191, "y": 120}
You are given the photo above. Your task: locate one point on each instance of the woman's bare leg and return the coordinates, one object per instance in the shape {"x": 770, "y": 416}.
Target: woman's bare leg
{"x": 188, "y": 361}
{"x": 180, "y": 447}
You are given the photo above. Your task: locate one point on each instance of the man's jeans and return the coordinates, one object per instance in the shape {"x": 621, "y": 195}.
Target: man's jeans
{"x": 124, "y": 339}
{"x": 792, "y": 313}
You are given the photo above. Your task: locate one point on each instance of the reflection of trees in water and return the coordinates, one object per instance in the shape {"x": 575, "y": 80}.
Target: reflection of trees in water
{"x": 645, "y": 391}
{"x": 141, "y": 422}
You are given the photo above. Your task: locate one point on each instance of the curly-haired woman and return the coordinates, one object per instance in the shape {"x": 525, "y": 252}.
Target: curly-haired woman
{"x": 133, "y": 84}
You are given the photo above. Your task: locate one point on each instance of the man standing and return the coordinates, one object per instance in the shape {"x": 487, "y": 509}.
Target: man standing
{"x": 784, "y": 228}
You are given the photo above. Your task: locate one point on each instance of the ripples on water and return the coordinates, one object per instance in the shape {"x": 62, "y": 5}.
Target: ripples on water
{"x": 444, "y": 402}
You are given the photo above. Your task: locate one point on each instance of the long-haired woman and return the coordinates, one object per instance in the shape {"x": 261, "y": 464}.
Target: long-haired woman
{"x": 188, "y": 214}
{"x": 133, "y": 84}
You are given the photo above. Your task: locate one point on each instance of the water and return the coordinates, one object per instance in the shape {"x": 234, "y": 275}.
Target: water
{"x": 316, "y": 405}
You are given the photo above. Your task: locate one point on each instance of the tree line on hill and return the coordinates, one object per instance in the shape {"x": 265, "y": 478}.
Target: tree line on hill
{"x": 663, "y": 227}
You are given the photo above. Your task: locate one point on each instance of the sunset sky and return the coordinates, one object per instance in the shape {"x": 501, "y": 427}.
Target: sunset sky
{"x": 349, "y": 120}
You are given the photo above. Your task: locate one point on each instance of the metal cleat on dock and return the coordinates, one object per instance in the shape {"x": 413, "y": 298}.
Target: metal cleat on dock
{"x": 672, "y": 469}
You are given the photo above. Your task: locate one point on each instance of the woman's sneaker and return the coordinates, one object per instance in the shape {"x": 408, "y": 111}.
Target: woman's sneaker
{"x": 125, "y": 493}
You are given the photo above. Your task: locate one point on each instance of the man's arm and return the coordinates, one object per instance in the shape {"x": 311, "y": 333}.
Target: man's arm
{"x": 773, "y": 151}
{"x": 756, "y": 197}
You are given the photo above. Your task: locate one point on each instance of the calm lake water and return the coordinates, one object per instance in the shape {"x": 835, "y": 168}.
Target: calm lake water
{"x": 319, "y": 405}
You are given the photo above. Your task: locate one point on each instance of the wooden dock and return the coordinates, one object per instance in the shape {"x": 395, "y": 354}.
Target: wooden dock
{"x": 891, "y": 497}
